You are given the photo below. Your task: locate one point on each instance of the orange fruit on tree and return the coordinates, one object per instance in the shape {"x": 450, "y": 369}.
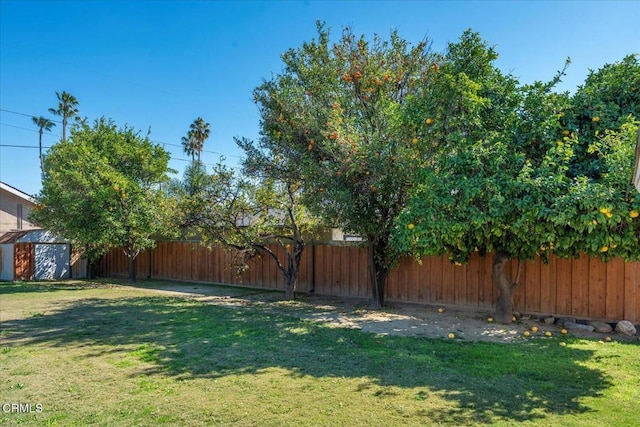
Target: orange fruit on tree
{"x": 428, "y": 121}
{"x": 634, "y": 214}
{"x": 604, "y": 249}
{"x": 410, "y": 226}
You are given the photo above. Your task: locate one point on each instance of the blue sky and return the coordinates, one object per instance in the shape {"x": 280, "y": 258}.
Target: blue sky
{"x": 161, "y": 64}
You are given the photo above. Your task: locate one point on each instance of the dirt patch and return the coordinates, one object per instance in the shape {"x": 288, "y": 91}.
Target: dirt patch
{"x": 397, "y": 319}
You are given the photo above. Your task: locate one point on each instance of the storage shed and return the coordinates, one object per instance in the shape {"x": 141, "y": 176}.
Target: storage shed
{"x": 34, "y": 255}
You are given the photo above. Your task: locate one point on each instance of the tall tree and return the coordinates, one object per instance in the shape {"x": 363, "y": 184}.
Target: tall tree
{"x": 198, "y": 133}
{"x": 67, "y": 108}
{"x": 342, "y": 114}
{"x": 43, "y": 124}
{"x": 102, "y": 190}
{"x": 501, "y": 184}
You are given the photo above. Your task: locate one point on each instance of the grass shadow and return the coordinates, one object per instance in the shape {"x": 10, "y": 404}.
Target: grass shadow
{"x": 187, "y": 339}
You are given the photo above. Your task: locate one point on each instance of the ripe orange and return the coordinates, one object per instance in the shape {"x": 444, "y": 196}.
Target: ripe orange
{"x": 534, "y": 328}
{"x": 451, "y": 336}
{"x": 428, "y": 121}
{"x": 604, "y": 249}
{"x": 634, "y": 214}
{"x": 410, "y": 226}
{"x": 526, "y": 333}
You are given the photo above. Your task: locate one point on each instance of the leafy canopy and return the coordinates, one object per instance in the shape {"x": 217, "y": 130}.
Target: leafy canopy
{"x": 101, "y": 189}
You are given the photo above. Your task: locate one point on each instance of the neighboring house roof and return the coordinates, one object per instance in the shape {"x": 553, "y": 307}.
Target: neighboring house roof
{"x": 16, "y": 192}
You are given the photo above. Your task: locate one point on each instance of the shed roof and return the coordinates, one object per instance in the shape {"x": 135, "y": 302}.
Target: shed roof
{"x": 31, "y": 236}
{"x": 12, "y": 236}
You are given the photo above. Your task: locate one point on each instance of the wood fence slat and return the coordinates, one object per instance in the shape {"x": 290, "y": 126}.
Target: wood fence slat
{"x": 632, "y": 291}
{"x": 579, "y": 286}
{"x": 597, "y": 288}
{"x": 614, "y": 288}
{"x": 472, "y": 281}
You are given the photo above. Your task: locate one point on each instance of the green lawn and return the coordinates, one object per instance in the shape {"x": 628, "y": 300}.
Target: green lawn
{"x": 103, "y": 354}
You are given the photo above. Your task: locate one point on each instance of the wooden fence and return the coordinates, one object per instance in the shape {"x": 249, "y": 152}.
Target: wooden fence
{"x": 584, "y": 287}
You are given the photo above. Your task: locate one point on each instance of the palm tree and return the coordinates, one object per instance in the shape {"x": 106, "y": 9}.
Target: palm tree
{"x": 193, "y": 143}
{"x": 43, "y": 124}
{"x": 67, "y": 108}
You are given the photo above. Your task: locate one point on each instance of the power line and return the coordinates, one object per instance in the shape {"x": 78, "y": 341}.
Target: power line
{"x": 152, "y": 140}
{"x": 27, "y": 115}
{"x": 27, "y": 129}
{"x": 172, "y": 158}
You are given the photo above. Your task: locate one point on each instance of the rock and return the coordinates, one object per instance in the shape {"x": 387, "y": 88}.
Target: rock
{"x": 549, "y": 320}
{"x": 626, "y": 327}
{"x": 573, "y": 326}
{"x": 602, "y": 327}
{"x": 562, "y": 320}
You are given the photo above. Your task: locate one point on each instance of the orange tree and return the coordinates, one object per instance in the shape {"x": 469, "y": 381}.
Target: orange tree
{"x": 342, "y": 113}
{"x": 101, "y": 190}
{"x": 501, "y": 182}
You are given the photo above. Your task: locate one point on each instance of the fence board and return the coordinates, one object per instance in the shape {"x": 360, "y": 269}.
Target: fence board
{"x": 597, "y": 288}
{"x": 614, "y": 281}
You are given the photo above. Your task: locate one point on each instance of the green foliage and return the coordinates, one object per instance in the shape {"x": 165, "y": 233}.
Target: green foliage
{"x": 600, "y": 216}
{"x": 604, "y": 102}
{"x": 503, "y": 179}
{"x": 252, "y": 216}
{"x": 342, "y": 114}
{"x": 497, "y": 168}
{"x": 101, "y": 189}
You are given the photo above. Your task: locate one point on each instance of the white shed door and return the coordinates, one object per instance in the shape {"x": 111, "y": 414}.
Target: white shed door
{"x": 6, "y": 262}
{"x": 52, "y": 261}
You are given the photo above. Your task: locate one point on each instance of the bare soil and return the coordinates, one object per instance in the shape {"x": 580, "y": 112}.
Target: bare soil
{"x": 396, "y": 319}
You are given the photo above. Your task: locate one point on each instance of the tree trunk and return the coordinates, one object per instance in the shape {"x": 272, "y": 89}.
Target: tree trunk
{"x": 91, "y": 269}
{"x": 290, "y": 287}
{"x": 504, "y": 303}
{"x": 132, "y": 269}
{"x": 377, "y": 274}
{"x": 293, "y": 268}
